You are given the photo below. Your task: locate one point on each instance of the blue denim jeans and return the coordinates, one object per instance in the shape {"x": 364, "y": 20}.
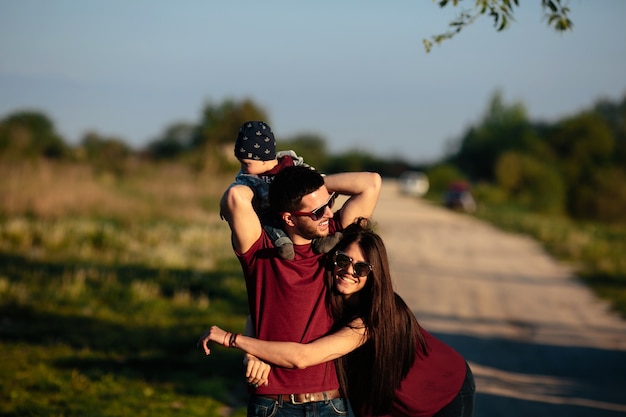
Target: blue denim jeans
{"x": 259, "y": 406}
{"x": 463, "y": 403}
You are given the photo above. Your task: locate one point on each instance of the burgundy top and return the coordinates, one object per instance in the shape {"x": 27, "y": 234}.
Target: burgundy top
{"x": 287, "y": 301}
{"x": 432, "y": 382}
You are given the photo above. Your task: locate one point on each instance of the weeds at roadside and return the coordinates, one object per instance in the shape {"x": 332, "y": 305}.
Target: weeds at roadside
{"x": 101, "y": 340}
{"x": 105, "y": 285}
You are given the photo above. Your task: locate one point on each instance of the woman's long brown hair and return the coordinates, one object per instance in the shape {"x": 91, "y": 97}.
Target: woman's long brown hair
{"x": 371, "y": 374}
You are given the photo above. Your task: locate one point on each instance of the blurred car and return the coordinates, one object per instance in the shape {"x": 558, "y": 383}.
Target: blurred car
{"x": 413, "y": 183}
{"x": 459, "y": 197}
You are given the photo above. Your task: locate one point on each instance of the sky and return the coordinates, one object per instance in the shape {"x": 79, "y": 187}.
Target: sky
{"x": 354, "y": 72}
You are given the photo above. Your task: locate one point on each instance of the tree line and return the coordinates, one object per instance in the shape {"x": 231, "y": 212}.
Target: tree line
{"x": 204, "y": 145}
{"x": 575, "y": 166}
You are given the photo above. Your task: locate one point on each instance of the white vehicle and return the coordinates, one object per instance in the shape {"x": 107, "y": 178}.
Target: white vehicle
{"x": 414, "y": 183}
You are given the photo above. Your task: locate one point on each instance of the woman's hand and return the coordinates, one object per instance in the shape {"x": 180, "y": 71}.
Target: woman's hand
{"x": 214, "y": 334}
{"x": 257, "y": 371}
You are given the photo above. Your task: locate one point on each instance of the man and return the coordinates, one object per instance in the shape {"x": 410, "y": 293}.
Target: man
{"x": 287, "y": 297}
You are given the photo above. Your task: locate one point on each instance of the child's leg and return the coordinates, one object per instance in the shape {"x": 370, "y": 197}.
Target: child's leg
{"x": 282, "y": 242}
{"x": 325, "y": 244}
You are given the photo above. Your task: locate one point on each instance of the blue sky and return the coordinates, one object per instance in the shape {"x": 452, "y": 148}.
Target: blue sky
{"x": 353, "y": 71}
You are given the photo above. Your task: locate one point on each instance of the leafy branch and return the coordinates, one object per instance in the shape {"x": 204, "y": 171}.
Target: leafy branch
{"x": 502, "y": 14}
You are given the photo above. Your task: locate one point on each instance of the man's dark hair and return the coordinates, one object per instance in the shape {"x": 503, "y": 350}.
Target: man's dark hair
{"x": 290, "y": 185}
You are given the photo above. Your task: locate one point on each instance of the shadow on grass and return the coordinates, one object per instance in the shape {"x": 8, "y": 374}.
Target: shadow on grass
{"x": 161, "y": 351}
{"x": 215, "y": 283}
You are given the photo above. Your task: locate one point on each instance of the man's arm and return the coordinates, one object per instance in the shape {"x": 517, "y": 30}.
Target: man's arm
{"x": 363, "y": 189}
{"x": 236, "y": 208}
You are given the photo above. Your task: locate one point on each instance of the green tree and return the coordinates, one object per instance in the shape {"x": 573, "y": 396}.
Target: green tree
{"x": 584, "y": 145}
{"x": 615, "y": 116}
{"x": 357, "y": 160}
{"x": 215, "y": 135}
{"x": 503, "y": 127}
{"x": 440, "y": 176}
{"x": 605, "y": 195}
{"x": 106, "y": 154}
{"x": 30, "y": 134}
{"x": 175, "y": 140}
{"x": 351, "y": 161}
{"x": 502, "y": 13}
{"x": 311, "y": 147}
{"x": 531, "y": 182}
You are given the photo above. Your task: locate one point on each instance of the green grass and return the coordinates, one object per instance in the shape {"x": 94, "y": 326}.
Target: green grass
{"x": 100, "y": 326}
{"x": 106, "y": 286}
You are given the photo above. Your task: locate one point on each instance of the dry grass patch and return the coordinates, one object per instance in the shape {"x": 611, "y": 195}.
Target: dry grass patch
{"x": 49, "y": 189}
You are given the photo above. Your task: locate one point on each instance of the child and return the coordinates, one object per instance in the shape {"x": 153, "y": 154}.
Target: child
{"x": 255, "y": 148}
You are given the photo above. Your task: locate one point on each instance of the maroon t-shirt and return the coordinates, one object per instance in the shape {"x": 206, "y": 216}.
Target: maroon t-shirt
{"x": 287, "y": 301}
{"x": 432, "y": 382}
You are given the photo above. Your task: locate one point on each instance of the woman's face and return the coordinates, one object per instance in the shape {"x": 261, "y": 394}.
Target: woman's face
{"x": 346, "y": 280}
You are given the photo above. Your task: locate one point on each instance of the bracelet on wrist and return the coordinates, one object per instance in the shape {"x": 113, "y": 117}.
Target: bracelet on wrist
{"x": 224, "y": 343}
{"x": 232, "y": 342}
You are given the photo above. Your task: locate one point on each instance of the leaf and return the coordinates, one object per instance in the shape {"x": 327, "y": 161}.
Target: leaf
{"x": 551, "y": 5}
{"x": 427, "y": 45}
{"x": 504, "y": 24}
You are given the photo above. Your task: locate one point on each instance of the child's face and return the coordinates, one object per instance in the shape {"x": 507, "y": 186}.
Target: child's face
{"x": 252, "y": 166}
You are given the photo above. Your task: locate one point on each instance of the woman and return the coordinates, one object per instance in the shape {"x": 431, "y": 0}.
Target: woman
{"x": 387, "y": 363}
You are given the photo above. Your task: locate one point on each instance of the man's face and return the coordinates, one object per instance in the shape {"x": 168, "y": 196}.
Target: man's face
{"x": 316, "y": 204}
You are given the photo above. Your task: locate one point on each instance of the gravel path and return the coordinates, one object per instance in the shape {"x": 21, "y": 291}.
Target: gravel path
{"x": 539, "y": 342}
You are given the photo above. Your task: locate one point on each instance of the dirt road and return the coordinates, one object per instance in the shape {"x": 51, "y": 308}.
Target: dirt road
{"x": 539, "y": 343}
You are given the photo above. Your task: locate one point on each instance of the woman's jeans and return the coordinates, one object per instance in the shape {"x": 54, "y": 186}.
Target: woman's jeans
{"x": 260, "y": 406}
{"x": 463, "y": 404}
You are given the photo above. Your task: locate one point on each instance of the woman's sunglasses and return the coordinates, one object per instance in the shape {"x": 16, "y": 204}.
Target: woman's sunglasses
{"x": 318, "y": 213}
{"x": 343, "y": 261}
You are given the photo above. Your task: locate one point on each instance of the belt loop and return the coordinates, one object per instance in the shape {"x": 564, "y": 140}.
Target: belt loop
{"x": 325, "y": 397}
{"x": 280, "y": 400}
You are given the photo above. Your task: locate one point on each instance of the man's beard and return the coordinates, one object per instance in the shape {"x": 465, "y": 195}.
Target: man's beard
{"x": 310, "y": 231}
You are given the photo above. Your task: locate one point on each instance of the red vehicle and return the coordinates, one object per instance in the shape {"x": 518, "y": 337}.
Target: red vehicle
{"x": 459, "y": 197}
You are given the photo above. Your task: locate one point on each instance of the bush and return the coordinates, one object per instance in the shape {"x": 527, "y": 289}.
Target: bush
{"x": 531, "y": 182}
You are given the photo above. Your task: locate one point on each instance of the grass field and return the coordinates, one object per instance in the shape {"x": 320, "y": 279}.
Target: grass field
{"x": 105, "y": 285}
{"x": 106, "y": 282}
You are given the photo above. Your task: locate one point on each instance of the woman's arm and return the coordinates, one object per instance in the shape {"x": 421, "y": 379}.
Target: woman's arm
{"x": 291, "y": 354}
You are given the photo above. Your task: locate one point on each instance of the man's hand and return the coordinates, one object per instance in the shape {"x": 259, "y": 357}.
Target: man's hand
{"x": 257, "y": 371}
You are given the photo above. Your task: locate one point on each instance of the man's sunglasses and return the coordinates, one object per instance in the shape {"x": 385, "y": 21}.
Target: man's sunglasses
{"x": 318, "y": 213}
{"x": 360, "y": 269}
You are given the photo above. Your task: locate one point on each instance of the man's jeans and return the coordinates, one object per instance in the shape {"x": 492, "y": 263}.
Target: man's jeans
{"x": 259, "y": 406}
